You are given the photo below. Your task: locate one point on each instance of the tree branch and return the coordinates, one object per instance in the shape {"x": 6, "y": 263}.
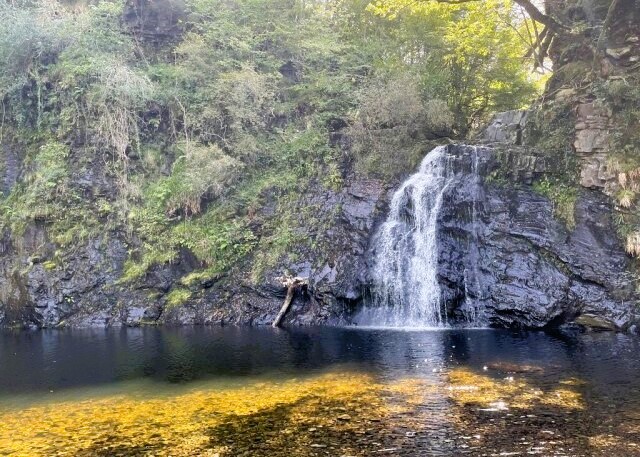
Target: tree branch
{"x": 541, "y": 17}
{"x": 531, "y": 10}
{"x": 606, "y": 24}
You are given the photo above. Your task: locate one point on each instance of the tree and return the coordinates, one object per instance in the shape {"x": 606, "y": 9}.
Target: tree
{"x": 468, "y": 54}
{"x": 537, "y": 40}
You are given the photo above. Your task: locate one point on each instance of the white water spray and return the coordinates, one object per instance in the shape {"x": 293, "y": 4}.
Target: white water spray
{"x": 406, "y": 291}
{"x": 471, "y": 275}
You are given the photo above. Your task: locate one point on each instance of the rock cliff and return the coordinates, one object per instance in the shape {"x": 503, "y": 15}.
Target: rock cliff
{"x": 500, "y": 247}
{"x": 502, "y": 244}
{"x": 519, "y": 264}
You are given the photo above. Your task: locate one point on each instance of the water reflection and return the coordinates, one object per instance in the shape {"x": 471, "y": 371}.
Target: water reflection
{"x": 50, "y": 359}
{"x": 448, "y": 392}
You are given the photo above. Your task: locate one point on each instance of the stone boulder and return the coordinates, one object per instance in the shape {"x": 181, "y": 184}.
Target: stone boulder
{"x": 506, "y": 127}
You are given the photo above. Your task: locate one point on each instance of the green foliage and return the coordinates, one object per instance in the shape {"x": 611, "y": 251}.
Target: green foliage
{"x": 177, "y": 297}
{"x": 550, "y": 128}
{"x": 392, "y": 123}
{"x": 622, "y": 96}
{"x": 275, "y": 246}
{"x": 208, "y": 144}
{"x": 49, "y": 176}
{"x": 467, "y": 53}
{"x": 203, "y": 172}
{"x": 49, "y": 265}
{"x": 563, "y": 197}
{"x": 28, "y": 37}
{"x": 44, "y": 192}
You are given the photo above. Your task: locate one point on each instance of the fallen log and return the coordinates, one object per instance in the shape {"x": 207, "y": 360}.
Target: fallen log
{"x": 291, "y": 284}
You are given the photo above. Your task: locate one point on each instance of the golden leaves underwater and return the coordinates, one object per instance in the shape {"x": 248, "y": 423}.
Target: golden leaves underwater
{"x": 207, "y": 422}
{"x": 341, "y": 413}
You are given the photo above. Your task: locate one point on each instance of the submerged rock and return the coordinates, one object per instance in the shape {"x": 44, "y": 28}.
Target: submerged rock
{"x": 593, "y": 322}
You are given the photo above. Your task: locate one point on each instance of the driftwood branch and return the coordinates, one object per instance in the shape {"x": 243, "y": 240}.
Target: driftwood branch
{"x": 291, "y": 284}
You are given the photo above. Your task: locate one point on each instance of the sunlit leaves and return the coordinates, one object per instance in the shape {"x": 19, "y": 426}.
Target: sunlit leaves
{"x": 469, "y": 53}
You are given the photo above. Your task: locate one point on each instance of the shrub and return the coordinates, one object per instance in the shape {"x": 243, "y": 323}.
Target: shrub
{"x": 203, "y": 172}
{"x": 391, "y": 123}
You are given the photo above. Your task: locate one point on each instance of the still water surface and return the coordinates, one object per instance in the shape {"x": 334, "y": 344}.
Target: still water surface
{"x": 317, "y": 392}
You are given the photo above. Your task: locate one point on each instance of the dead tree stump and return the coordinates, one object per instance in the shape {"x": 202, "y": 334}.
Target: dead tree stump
{"x": 291, "y": 284}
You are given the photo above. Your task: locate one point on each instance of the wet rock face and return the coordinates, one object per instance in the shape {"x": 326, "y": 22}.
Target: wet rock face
{"x": 9, "y": 168}
{"x": 502, "y": 255}
{"x": 83, "y": 288}
{"x": 80, "y": 291}
{"x": 523, "y": 268}
{"x": 507, "y": 127}
{"x": 335, "y": 263}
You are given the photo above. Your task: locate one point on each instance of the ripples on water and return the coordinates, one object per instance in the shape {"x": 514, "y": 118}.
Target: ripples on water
{"x": 318, "y": 392}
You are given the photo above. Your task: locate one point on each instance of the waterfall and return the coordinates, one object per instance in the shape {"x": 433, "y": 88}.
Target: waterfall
{"x": 405, "y": 290}
{"x": 473, "y": 312}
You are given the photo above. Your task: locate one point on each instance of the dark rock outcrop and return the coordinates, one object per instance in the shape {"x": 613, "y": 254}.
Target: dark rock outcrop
{"x": 521, "y": 266}
{"x": 332, "y": 257}
{"x": 154, "y": 22}
{"x": 84, "y": 289}
{"x": 507, "y": 127}
{"x": 501, "y": 251}
{"x": 9, "y": 169}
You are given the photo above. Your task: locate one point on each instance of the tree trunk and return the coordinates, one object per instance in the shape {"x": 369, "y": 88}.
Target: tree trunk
{"x": 291, "y": 284}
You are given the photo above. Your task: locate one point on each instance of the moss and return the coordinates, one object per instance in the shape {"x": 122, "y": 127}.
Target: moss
{"x": 622, "y": 97}
{"x": 177, "y": 297}
{"x": 154, "y": 295}
{"x": 49, "y": 265}
{"x": 199, "y": 277}
{"x": 563, "y": 196}
{"x": 550, "y": 129}
{"x": 133, "y": 271}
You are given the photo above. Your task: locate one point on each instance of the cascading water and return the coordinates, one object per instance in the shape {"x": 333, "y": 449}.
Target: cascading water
{"x": 406, "y": 291}
{"x": 471, "y": 274}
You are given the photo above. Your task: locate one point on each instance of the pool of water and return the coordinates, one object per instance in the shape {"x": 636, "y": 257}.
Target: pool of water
{"x": 317, "y": 392}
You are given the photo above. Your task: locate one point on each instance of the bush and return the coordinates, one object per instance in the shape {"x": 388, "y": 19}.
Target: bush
{"x": 204, "y": 172}
{"x": 392, "y": 122}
